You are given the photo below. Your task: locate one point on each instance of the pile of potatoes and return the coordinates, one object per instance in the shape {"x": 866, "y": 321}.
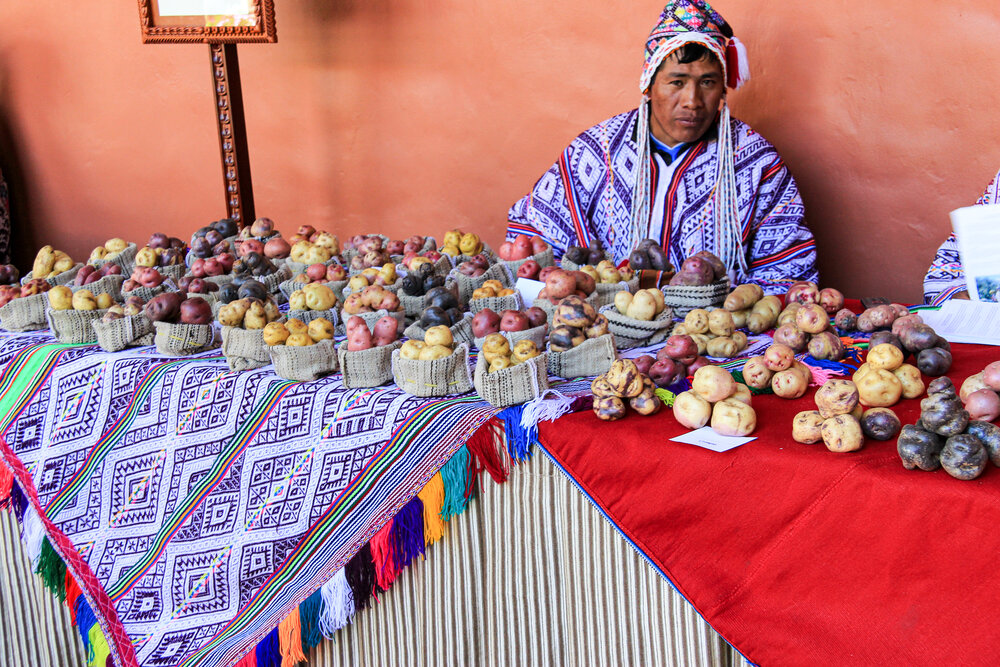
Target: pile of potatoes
{"x": 979, "y": 393}
{"x": 946, "y": 437}
{"x": 313, "y": 296}
{"x": 296, "y": 333}
{"x": 248, "y": 313}
{"x": 438, "y": 343}
{"x": 384, "y": 275}
{"x": 63, "y": 298}
{"x": 320, "y": 251}
{"x": 884, "y": 379}
{"x": 456, "y": 242}
{"x": 840, "y": 421}
{"x": 573, "y": 322}
{"x": 911, "y": 335}
{"x": 607, "y": 273}
{"x": 110, "y": 248}
{"x": 133, "y": 306}
{"x": 714, "y": 331}
{"x": 491, "y": 288}
{"x": 360, "y": 337}
{"x": 752, "y": 309}
{"x": 368, "y": 300}
{"x": 50, "y": 263}
{"x": 716, "y": 399}
{"x": 778, "y": 369}
{"x": 806, "y": 327}
{"x": 499, "y": 354}
{"x": 644, "y": 305}
{"x": 623, "y": 382}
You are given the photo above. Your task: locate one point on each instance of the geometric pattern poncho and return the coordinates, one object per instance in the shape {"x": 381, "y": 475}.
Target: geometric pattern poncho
{"x": 946, "y": 277}
{"x": 588, "y": 194}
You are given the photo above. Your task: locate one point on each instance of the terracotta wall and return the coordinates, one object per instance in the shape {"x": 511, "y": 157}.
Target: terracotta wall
{"x": 419, "y": 116}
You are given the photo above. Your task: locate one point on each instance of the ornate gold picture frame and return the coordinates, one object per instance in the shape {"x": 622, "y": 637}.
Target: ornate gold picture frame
{"x": 207, "y": 21}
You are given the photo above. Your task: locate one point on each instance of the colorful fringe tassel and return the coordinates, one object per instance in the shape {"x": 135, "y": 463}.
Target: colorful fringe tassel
{"x": 52, "y": 570}
{"x": 309, "y": 612}
{"x": 85, "y": 620}
{"x": 73, "y": 594}
{"x": 360, "y": 575}
{"x": 482, "y": 445}
{"x": 454, "y": 477}
{"x": 518, "y": 438}
{"x": 6, "y": 484}
{"x": 432, "y": 498}
{"x": 383, "y": 551}
{"x": 408, "y": 529}
{"x": 338, "y": 603}
{"x": 269, "y": 650}
{"x": 290, "y": 639}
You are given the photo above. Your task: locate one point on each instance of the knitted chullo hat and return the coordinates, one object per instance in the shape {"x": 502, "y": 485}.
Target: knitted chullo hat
{"x": 685, "y": 22}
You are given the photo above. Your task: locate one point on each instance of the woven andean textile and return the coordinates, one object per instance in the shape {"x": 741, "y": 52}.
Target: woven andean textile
{"x": 197, "y": 507}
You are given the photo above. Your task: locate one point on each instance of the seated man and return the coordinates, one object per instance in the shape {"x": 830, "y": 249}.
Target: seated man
{"x": 665, "y": 171}
{"x": 945, "y": 278}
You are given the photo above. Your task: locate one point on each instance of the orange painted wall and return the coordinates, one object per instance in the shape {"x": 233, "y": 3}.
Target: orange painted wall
{"x": 413, "y": 116}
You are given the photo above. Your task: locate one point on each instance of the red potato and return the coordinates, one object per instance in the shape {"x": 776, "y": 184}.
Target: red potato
{"x": 559, "y": 284}
{"x": 584, "y": 282}
{"x": 336, "y": 272}
{"x": 485, "y": 322}
{"x": 514, "y": 320}
{"x": 467, "y": 268}
{"x": 983, "y": 404}
{"x": 395, "y": 247}
{"x": 546, "y": 270}
{"x": 831, "y": 299}
{"x": 82, "y": 274}
{"x": 529, "y": 269}
{"x": 536, "y": 316}
{"x": 248, "y": 246}
{"x": 147, "y": 276}
{"x": 506, "y": 251}
{"x": 991, "y": 376}
{"x": 196, "y": 311}
{"x": 681, "y": 348}
{"x": 359, "y": 338}
{"x": 164, "y": 307}
{"x": 643, "y": 362}
{"x": 802, "y": 292}
{"x": 385, "y": 330}
{"x": 316, "y": 272}
{"x": 522, "y": 247}
{"x": 277, "y": 248}
{"x": 666, "y": 371}
{"x": 538, "y": 245}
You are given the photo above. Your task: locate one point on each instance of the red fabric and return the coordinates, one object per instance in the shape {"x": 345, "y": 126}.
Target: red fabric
{"x": 797, "y": 555}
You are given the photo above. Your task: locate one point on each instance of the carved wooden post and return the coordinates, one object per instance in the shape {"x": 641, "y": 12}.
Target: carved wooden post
{"x": 232, "y": 133}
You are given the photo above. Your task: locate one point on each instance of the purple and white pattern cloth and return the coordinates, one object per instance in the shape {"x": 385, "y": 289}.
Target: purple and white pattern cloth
{"x": 946, "y": 277}
{"x": 588, "y": 192}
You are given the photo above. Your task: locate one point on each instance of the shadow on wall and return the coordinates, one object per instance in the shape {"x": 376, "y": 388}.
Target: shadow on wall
{"x": 12, "y": 165}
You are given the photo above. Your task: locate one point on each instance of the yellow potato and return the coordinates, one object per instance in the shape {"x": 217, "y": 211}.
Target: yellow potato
{"x": 411, "y": 349}
{"x": 299, "y": 340}
{"x": 295, "y": 325}
{"x": 255, "y": 317}
{"x": 691, "y": 410}
{"x": 696, "y": 321}
{"x": 733, "y": 417}
{"x": 720, "y": 322}
{"x": 297, "y": 300}
{"x": 879, "y": 388}
{"x": 432, "y": 352}
{"x": 622, "y": 301}
{"x": 807, "y": 427}
{"x": 115, "y": 245}
{"x": 885, "y": 356}
{"x": 909, "y": 378}
{"x": 842, "y": 433}
{"x": 499, "y": 363}
{"x": 60, "y": 298}
{"x": 713, "y": 383}
{"x": 84, "y": 300}
{"x": 104, "y": 300}
{"x": 320, "y": 329}
{"x": 439, "y": 335}
{"x": 275, "y": 333}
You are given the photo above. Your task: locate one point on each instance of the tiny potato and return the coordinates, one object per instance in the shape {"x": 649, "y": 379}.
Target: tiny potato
{"x": 789, "y": 383}
{"x": 778, "y": 357}
{"x": 696, "y": 321}
{"x": 885, "y": 356}
{"x": 319, "y": 329}
{"x": 842, "y": 433}
{"x": 432, "y": 352}
{"x": 411, "y": 349}
{"x": 439, "y": 335}
{"x": 720, "y": 322}
{"x": 60, "y": 298}
{"x": 836, "y": 397}
{"x": 879, "y": 388}
{"x": 691, "y": 410}
{"x": 275, "y": 333}
{"x": 733, "y": 417}
{"x": 496, "y": 345}
{"x": 909, "y": 377}
{"x": 713, "y": 383}
{"x": 756, "y": 373}
{"x": 807, "y": 427}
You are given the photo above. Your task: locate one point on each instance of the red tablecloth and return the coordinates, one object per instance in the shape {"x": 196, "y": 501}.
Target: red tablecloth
{"x": 797, "y": 555}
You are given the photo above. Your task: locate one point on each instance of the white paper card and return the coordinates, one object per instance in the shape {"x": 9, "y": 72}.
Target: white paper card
{"x": 709, "y": 439}
{"x": 977, "y": 229}
{"x": 528, "y": 289}
{"x": 961, "y": 321}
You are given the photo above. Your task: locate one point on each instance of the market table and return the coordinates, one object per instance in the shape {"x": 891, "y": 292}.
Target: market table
{"x": 797, "y": 555}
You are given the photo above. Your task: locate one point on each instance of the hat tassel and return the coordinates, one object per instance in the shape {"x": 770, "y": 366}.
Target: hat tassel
{"x": 737, "y": 64}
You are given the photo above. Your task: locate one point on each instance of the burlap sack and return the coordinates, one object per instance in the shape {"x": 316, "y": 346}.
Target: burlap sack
{"x": 413, "y": 306}
{"x": 305, "y": 363}
{"x": 467, "y": 284}
{"x": 535, "y": 334}
{"x": 145, "y": 293}
{"x": 606, "y": 291}
{"x": 107, "y": 285}
{"x": 124, "y": 259}
{"x": 461, "y": 332}
{"x": 497, "y": 304}
{"x": 74, "y": 326}
{"x": 308, "y": 316}
{"x": 684, "y": 299}
{"x": 550, "y": 308}
{"x": 439, "y": 377}
{"x": 543, "y": 258}
{"x": 179, "y": 340}
{"x": 272, "y": 281}
{"x": 128, "y": 331}
{"x": 513, "y": 385}
{"x": 211, "y": 298}
{"x": 629, "y": 332}
{"x": 172, "y": 271}
{"x": 244, "y": 348}
{"x": 593, "y": 357}
{"x": 371, "y": 318}
{"x": 64, "y": 278}
{"x": 566, "y": 263}
{"x": 25, "y": 313}
{"x": 367, "y": 368}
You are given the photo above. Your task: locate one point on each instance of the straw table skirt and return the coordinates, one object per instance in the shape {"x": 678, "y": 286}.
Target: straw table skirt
{"x": 529, "y": 574}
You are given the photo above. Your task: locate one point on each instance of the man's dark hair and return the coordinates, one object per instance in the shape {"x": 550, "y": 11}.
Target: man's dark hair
{"x": 691, "y": 52}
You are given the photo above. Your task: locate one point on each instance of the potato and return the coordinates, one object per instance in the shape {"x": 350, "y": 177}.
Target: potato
{"x": 297, "y": 300}
{"x": 971, "y": 384}
{"x": 432, "y": 352}
{"x": 741, "y": 317}
{"x": 411, "y": 350}
{"x": 83, "y": 300}
{"x": 320, "y": 329}
{"x": 918, "y": 448}
{"x": 609, "y": 408}
{"x": 983, "y": 405}
{"x": 439, "y": 335}
{"x": 61, "y": 298}
{"x": 934, "y": 361}
{"x": 701, "y": 340}
{"x": 807, "y": 427}
{"x": 879, "y": 388}
{"x": 696, "y": 321}
{"x": 756, "y": 373}
{"x": 880, "y": 424}
{"x": 743, "y": 297}
{"x": 255, "y": 317}
{"x": 600, "y": 388}
{"x": 105, "y": 300}
{"x": 909, "y": 376}
{"x": 836, "y": 397}
{"x": 624, "y": 378}
{"x": 842, "y": 433}
{"x": 44, "y": 260}
{"x": 789, "y": 383}
{"x": 722, "y": 347}
{"x": 826, "y": 345}
{"x": 713, "y": 383}
{"x": 115, "y": 245}
{"x": 691, "y": 410}
{"x": 787, "y": 316}
{"x": 642, "y": 307}
{"x": 740, "y": 339}
{"x": 275, "y": 333}
{"x": 319, "y": 297}
{"x": 792, "y": 336}
{"x": 778, "y": 357}
{"x": 720, "y": 322}
{"x": 524, "y": 350}
{"x": 964, "y": 456}
{"x": 885, "y": 356}
{"x": 812, "y": 318}
{"x": 742, "y": 394}
{"x": 622, "y": 301}
{"x": 295, "y": 325}
{"x": 646, "y": 403}
{"x": 498, "y": 364}
{"x": 298, "y": 340}
{"x": 733, "y": 417}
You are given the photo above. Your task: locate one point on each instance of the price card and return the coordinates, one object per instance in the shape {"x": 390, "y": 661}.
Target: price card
{"x": 709, "y": 439}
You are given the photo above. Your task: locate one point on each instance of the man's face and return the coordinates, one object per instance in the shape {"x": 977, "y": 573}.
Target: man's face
{"x": 684, "y": 99}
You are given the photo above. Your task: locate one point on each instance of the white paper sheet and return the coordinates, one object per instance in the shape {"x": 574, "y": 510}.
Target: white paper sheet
{"x": 977, "y": 229}
{"x": 709, "y": 439}
{"x": 961, "y": 321}
{"x": 528, "y": 289}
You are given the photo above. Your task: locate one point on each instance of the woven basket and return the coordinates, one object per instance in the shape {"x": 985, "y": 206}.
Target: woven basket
{"x": 244, "y": 348}
{"x": 460, "y": 332}
{"x": 683, "y": 299}
{"x": 305, "y": 363}
{"x": 630, "y": 332}
{"x": 536, "y": 335}
{"x": 107, "y": 285}
{"x": 511, "y": 386}
{"x": 550, "y": 308}
{"x": 128, "y": 331}
{"x": 145, "y": 293}
{"x": 497, "y": 304}
{"x": 606, "y": 291}
{"x": 308, "y": 316}
{"x": 543, "y": 258}
{"x": 371, "y": 318}
{"x": 593, "y": 357}
{"x": 467, "y": 285}
{"x": 414, "y": 305}
{"x": 180, "y": 340}
{"x": 124, "y": 259}
{"x": 172, "y": 271}
{"x": 272, "y": 281}
{"x": 367, "y": 368}
{"x": 74, "y": 326}
{"x": 25, "y": 313}
{"x": 64, "y": 278}
{"x": 438, "y": 377}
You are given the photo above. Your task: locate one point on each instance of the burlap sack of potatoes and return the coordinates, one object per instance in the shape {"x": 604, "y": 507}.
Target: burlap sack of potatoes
{"x": 128, "y": 331}
{"x": 367, "y": 368}
{"x": 25, "y": 313}
{"x": 433, "y": 378}
{"x": 144, "y": 293}
{"x": 630, "y": 332}
{"x": 74, "y": 326}
{"x": 290, "y": 285}
{"x": 124, "y": 259}
{"x": 304, "y": 363}
{"x": 550, "y": 308}
{"x": 543, "y": 258}
{"x": 371, "y": 318}
{"x": 244, "y": 349}
{"x": 461, "y": 331}
{"x": 107, "y": 285}
{"x": 535, "y": 334}
{"x": 181, "y": 340}
{"x": 606, "y": 291}
{"x": 308, "y": 316}
{"x": 683, "y": 298}
{"x": 442, "y": 267}
{"x": 514, "y": 385}
{"x": 487, "y": 251}
{"x": 592, "y": 357}
{"x": 469, "y": 284}
{"x": 64, "y": 278}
